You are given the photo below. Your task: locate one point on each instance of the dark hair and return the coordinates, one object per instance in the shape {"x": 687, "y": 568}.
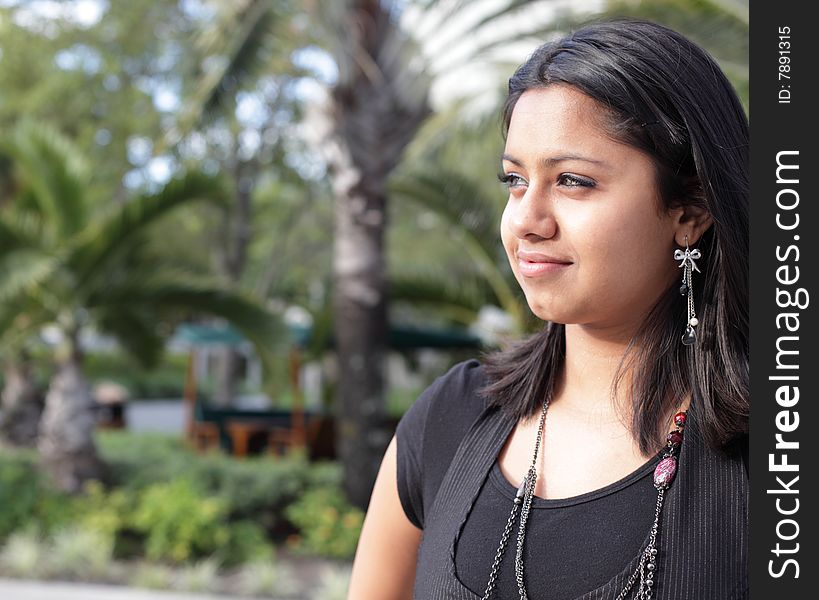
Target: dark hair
{"x": 664, "y": 95}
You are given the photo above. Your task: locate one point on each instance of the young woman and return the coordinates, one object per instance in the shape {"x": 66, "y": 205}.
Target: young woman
{"x": 605, "y": 457}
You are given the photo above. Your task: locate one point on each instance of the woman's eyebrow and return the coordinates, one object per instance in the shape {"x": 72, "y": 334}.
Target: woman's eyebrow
{"x": 551, "y": 161}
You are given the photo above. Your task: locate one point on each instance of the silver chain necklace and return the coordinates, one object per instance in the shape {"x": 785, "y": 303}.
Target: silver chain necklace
{"x": 647, "y": 567}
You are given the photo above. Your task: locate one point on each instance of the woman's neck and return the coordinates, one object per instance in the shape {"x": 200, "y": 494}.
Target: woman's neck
{"x": 593, "y": 359}
{"x": 585, "y": 387}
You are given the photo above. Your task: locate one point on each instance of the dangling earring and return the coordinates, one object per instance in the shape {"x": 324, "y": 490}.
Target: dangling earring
{"x": 688, "y": 266}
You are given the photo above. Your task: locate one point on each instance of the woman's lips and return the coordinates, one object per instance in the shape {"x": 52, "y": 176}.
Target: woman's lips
{"x": 533, "y": 264}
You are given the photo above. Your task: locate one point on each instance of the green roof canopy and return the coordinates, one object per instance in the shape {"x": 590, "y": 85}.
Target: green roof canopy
{"x": 401, "y": 337}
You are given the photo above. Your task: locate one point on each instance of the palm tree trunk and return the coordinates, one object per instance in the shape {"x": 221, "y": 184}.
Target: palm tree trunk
{"x": 66, "y": 441}
{"x": 360, "y": 321}
{"x": 374, "y": 117}
{"x": 22, "y": 406}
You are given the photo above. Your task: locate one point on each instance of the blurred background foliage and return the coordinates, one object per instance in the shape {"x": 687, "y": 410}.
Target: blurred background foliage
{"x": 178, "y": 160}
{"x": 136, "y": 86}
{"x": 168, "y": 505}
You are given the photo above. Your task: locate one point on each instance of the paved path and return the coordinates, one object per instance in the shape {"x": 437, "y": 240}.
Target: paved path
{"x": 36, "y": 590}
{"x": 317, "y": 579}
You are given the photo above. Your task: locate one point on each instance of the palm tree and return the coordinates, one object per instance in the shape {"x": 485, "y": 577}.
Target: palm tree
{"x": 70, "y": 265}
{"x": 20, "y": 400}
{"x": 377, "y": 106}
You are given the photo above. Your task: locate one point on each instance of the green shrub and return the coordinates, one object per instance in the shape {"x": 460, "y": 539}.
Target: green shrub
{"x": 110, "y": 513}
{"x": 247, "y": 542}
{"x": 80, "y": 552}
{"x": 216, "y": 501}
{"x": 72, "y": 551}
{"x": 325, "y": 474}
{"x": 23, "y": 554}
{"x": 256, "y": 488}
{"x": 152, "y": 576}
{"x": 165, "y": 380}
{"x": 102, "y": 511}
{"x": 26, "y": 498}
{"x": 202, "y": 576}
{"x": 333, "y": 584}
{"x": 266, "y": 578}
{"x": 138, "y": 461}
{"x": 179, "y": 522}
{"x": 328, "y": 524}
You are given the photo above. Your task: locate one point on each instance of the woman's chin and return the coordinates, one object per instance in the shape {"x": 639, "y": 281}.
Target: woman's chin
{"x": 548, "y": 314}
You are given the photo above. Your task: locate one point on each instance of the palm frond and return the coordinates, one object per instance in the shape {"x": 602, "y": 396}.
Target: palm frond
{"x": 24, "y": 273}
{"x": 525, "y": 7}
{"x": 238, "y": 45}
{"x": 264, "y": 329}
{"x": 436, "y": 132}
{"x": 457, "y": 199}
{"x": 250, "y": 36}
{"x": 20, "y": 316}
{"x": 714, "y": 24}
{"x": 459, "y": 298}
{"x": 103, "y": 240}
{"x": 718, "y": 26}
{"x": 471, "y": 216}
{"x": 19, "y": 231}
{"x": 739, "y": 9}
{"x": 533, "y": 33}
{"x": 432, "y": 13}
{"x": 52, "y": 169}
{"x": 135, "y": 330}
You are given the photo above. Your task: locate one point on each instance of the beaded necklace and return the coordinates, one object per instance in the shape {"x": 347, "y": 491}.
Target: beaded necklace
{"x": 646, "y": 569}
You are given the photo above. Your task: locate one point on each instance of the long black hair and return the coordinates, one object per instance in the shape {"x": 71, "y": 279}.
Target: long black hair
{"x": 665, "y": 96}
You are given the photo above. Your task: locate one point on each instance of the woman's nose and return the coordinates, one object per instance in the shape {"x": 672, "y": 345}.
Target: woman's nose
{"x": 532, "y": 215}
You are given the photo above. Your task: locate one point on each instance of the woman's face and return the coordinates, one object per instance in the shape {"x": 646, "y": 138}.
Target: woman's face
{"x": 584, "y": 228}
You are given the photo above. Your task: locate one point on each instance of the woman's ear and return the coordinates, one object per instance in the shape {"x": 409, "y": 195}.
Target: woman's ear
{"x": 692, "y": 217}
{"x": 692, "y": 221}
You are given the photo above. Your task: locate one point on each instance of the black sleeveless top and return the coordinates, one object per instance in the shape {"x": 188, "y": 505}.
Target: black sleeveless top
{"x": 582, "y": 547}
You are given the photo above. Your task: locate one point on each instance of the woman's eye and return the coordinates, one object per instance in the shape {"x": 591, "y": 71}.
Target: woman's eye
{"x": 569, "y": 180}
{"x": 511, "y": 180}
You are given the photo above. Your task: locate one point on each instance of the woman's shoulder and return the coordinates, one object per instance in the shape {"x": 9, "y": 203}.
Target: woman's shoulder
{"x": 430, "y": 432}
{"x": 463, "y": 378}
{"x": 452, "y": 397}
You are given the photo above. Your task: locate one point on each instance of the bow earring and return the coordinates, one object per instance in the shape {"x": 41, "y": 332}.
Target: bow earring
{"x": 688, "y": 266}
